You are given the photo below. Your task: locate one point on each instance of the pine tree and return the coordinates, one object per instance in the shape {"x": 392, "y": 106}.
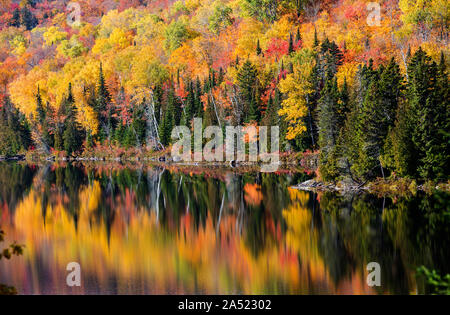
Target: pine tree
{"x": 198, "y": 101}
{"x": 376, "y": 106}
{"x": 248, "y": 85}
{"x": 258, "y": 48}
{"x": 157, "y": 98}
{"x": 428, "y": 113}
{"x": 329, "y": 130}
{"x": 28, "y": 19}
{"x": 253, "y": 114}
{"x": 291, "y": 44}
{"x": 138, "y": 124}
{"x": 298, "y": 37}
{"x": 166, "y": 127}
{"x": 221, "y": 75}
{"x": 343, "y": 105}
{"x": 15, "y": 20}
{"x": 14, "y": 130}
{"x": 316, "y": 42}
{"x": 391, "y": 86}
{"x": 174, "y": 105}
{"x": 271, "y": 114}
{"x": 72, "y": 136}
{"x": 331, "y": 58}
{"x": 104, "y": 108}
{"x": 39, "y": 107}
{"x": 190, "y": 103}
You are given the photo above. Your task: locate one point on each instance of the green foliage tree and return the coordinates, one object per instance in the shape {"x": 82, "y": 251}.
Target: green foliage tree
{"x": 248, "y": 87}
{"x": 420, "y": 142}
{"x": 14, "y": 130}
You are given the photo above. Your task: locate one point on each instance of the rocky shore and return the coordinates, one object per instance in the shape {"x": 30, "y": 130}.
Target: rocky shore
{"x": 400, "y": 186}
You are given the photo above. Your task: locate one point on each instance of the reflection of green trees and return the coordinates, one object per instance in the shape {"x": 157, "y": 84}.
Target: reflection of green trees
{"x": 15, "y": 180}
{"x": 399, "y": 235}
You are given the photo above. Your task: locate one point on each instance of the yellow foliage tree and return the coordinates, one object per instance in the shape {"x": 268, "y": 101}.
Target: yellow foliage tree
{"x": 297, "y": 87}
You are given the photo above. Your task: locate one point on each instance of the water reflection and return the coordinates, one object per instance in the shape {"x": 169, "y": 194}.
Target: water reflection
{"x": 169, "y": 231}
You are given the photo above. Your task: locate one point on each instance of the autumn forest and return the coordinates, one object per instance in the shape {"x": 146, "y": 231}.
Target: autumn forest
{"x": 363, "y": 87}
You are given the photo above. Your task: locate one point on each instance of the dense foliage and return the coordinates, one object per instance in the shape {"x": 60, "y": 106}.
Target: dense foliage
{"x": 373, "y": 99}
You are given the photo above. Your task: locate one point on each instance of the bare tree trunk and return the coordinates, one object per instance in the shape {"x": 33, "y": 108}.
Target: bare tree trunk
{"x": 151, "y": 121}
{"x": 215, "y": 109}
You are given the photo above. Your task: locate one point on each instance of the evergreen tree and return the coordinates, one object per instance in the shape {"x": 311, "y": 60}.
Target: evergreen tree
{"x": 271, "y": 117}
{"x": 221, "y": 75}
{"x": 428, "y": 114}
{"x": 28, "y": 19}
{"x": 72, "y": 136}
{"x": 138, "y": 125}
{"x": 15, "y": 20}
{"x": 331, "y": 58}
{"x": 166, "y": 127}
{"x": 298, "y": 37}
{"x": 343, "y": 105}
{"x": 316, "y": 42}
{"x": 377, "y": 101}
{"x": 198, "y": 100}
{"x": 42, "y": 122}
{"x": 248, "y": 85}
{"x": 190, "y": 103}
{"x": 39, "y": 107}
{"x": 258, "y": 48}
{"x": 329, "y": 130}
{"x": 104, "y": 108}
{"x": 158, "y": 98}
{"x": 14, "y": 130}
{"x": 253, "y": 114}
{"x": 291, "y": 44}
{"x": 174, "y": 105}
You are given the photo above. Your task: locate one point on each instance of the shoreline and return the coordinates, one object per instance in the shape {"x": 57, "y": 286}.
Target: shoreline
{"x": 291, "y": 163}
{"x": 395, "y": 187}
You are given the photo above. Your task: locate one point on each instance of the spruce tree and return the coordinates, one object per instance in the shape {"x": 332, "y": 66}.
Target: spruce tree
{"x": 316, "y": 42}
{"x": 428, "y": 111}
{"x": 329, "y": 130}
{"x": 28, "y": 19}
{"x": 166, "y": 127}
{"x": 248, "y": 85}
{"x": 291, "y": 44}
{"x": 40, "y": 108}
{"x": 14, "y": 130}
{"x": 258, "y": 48}
{"x": 158, "y": 98}
{"x": 298, "y": 37}
{"x": 174, "y": 105}
{"x": 15, "y": 20}
{"x": 103, "y": 107}
{"x": 72, "y": 136}
{"x": 198, "y": 101}
{"x": 190, "y": 103}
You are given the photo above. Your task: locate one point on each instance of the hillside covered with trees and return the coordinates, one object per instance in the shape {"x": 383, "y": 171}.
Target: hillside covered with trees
{"x": 371, "y": 97}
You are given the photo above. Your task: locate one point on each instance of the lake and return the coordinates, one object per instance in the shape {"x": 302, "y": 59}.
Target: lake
{"x": 158, "y": 230}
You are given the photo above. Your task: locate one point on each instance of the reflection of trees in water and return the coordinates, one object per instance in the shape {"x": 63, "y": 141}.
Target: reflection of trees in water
{"x": 399, "y": 235}
{"x": 331, "y": 237}
{"x": 15, "y": 180}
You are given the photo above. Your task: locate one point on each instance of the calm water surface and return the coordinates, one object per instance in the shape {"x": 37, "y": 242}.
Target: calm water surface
{"x": 158, "y": 231}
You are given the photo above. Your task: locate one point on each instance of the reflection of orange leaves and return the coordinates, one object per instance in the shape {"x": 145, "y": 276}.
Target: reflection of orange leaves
{"x": 253, "y": 194}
